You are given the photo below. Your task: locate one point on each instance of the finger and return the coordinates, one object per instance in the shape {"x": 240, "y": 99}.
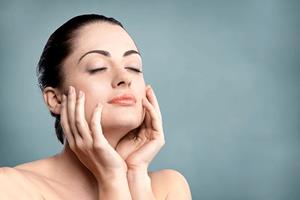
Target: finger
{"x": 153, "y": 100}
{"x": 80, "y": 120}
{"x": 155, "y": 119}
{"x": 97, "y": 134}
{"x": 71, "y": 113}
{"x": 148, "y": 150}
{"x": 147, "y": 119}
{"x": 64, "y": 122}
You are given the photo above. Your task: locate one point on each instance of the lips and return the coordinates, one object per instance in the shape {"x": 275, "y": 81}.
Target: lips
{"x": 123, "y": 100}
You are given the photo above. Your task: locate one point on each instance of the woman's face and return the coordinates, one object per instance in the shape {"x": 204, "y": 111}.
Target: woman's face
{"x": 105, "y": 64}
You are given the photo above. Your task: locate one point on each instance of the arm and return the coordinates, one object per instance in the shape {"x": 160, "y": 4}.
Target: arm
{"x": 140, "y": 184}
{"x": 116, "y": 188}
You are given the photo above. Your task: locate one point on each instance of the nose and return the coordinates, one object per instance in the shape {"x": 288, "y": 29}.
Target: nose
{"x": 121, "y": 79}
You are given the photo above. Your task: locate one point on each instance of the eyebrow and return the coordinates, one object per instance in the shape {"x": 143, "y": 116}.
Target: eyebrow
{"x": 107, "y": 54}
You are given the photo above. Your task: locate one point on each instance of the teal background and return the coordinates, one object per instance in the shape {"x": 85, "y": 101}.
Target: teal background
{"x": 226, "y": 74}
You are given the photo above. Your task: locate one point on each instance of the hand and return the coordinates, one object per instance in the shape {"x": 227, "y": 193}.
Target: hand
{"x": 88, "y": 143}
{"x": 139, "y": 147}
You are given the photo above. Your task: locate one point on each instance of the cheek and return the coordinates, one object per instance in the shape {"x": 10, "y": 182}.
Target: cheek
{"x": 140, "y": 93}
{"x": 92, "y": 98}
{"x": 141, "y": 88}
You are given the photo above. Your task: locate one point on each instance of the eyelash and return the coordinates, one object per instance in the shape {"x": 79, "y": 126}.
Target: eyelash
{"x": 97, "y": 69}
{"x": 104, "y": 68}
{"x": 134, "y": 69}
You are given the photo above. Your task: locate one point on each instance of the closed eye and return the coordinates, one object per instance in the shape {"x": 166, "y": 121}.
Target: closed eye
{"x": 92, "y": 71}
{"x": 134, "y": 69}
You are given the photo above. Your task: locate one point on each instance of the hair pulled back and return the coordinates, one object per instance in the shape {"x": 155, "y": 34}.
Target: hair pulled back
{"x": 57, "y": 49}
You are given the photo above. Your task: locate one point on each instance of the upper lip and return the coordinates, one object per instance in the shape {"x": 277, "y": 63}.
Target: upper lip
{"x": 123, "y": 97}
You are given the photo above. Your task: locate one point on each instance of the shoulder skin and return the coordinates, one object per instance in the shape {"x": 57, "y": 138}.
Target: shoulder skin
{"x": 15, "y": 185}
{"x": 171, "y": 184}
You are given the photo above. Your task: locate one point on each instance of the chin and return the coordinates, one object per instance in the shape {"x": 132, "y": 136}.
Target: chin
{"x": 123, "y": 119}
{"x": 128, "y": 121}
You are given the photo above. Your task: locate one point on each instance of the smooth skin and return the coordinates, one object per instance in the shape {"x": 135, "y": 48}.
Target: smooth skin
{"x": 102, "y": 157}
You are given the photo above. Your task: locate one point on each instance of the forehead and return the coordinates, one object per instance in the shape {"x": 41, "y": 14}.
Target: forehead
{"x": 103, "y": 36}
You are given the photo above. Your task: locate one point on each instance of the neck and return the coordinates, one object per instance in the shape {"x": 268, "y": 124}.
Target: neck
{"x": 114, "y": 135}
{"x": 73, "y": 172}
{"x": 70, "y": 165}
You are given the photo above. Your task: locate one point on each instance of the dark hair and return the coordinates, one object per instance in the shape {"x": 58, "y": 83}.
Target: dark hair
{"x": 57, "y": 49}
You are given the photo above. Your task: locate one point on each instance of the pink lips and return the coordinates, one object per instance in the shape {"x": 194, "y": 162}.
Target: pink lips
{"x": 123, "y": 100}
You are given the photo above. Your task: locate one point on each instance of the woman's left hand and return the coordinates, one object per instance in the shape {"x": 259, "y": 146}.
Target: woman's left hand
{"x": 139, "y": 147}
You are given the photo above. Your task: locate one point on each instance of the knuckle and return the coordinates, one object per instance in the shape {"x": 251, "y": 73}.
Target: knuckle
{"x": 94, "y": 125}
{"x": 89, "y": 144}
{"x": 80, "y": 144}
{"x": 78, "y": 123}
{"x": 74, "y": 129}
{"x": 93, "y": 122}
{"x": 98, "y": 145}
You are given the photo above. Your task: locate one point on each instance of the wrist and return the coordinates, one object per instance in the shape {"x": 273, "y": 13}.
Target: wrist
{"x": 137, "y": 168}
{"x": 139, "y": 179}
{"x": 112, "y": 184}
{"x": 139, "y": 173}
{"x": 115, "y": 188}
{"x": 112, "y": 178}
{"x": 140, "y": 185}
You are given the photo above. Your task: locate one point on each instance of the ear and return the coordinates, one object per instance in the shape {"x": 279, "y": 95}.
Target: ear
{"x": 52, "y": 98}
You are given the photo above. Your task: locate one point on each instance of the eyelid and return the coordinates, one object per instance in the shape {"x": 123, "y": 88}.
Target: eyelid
{"x": 136, "y": 69}
{"x": 97, "y": 69}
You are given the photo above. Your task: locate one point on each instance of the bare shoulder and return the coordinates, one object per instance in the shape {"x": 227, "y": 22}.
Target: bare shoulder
{"x": 15, "y": 183}
{"x": 170, "y": 184}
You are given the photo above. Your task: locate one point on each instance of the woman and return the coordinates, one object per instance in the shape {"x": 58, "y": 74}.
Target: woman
{"x": 90, "y": 74}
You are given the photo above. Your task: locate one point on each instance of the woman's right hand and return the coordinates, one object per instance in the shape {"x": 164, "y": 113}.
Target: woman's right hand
{"x": 89, "y": 143}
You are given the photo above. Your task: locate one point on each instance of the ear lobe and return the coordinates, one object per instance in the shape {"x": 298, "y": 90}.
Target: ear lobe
{"x": 52, "y": 98}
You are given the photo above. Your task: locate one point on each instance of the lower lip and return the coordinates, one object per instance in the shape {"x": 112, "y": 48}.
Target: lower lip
{"x": 123, "y": 102}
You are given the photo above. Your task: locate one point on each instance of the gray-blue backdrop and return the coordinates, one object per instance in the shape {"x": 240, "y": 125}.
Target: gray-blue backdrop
{"x": 226, "y": 73}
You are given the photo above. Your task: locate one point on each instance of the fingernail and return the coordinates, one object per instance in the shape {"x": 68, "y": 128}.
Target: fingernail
{"x": 80, "y": 94}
